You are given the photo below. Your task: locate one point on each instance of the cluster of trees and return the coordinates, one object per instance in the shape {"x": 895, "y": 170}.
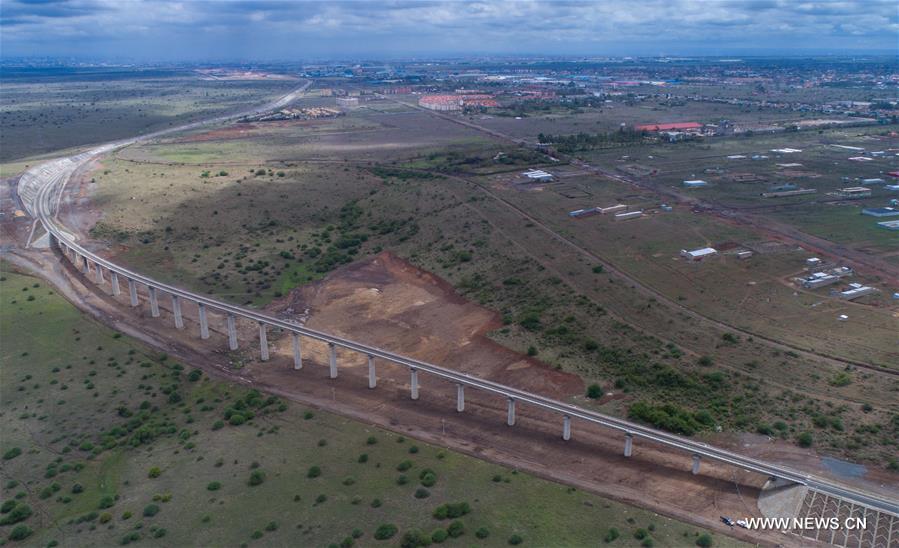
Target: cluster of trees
{"x": 589, "y": 141}
{"x": 671, "y": 417}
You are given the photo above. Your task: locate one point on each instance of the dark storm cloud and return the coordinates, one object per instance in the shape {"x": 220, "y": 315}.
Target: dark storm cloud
{"x": 272, "y": 29}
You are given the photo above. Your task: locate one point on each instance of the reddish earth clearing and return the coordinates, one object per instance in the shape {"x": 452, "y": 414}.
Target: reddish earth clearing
{"x": 387, "y": 302}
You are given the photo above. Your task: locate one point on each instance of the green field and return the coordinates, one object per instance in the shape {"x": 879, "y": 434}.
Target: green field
{"x": 107, "y": 442}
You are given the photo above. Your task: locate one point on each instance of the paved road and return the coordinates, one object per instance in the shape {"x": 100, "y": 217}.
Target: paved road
{"x": 41, "y": 196}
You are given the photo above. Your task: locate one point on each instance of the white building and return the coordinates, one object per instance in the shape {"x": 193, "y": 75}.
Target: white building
{"x": 698, "y": 254}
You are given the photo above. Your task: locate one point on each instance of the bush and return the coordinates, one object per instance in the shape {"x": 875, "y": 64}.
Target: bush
{"x": 385, "y": 531}
{"x": 313, "y": 472}
{"x": 422, "y": 493}
{"x": 647, "y": 543}
{"x": 77, "y": 488}
{"x": 20, "y": 512}
{"x": 414, "y": 539}
{"x": 805, "y": 439}
{"x": 371, "y": 440}
{"x": 363, "y": 458}
{"x": 271, "y": 526}
{"x": 705, "y": 361}
{"x": 428, "y": 477}
{"x": 11, "y": 454}
{"x": 403, "y": 466}
{"x": 704, "y": 540}
{"x": 376, "y": 503}
{"x": 456, "y": 529}
{"x": 213, "y": 486}
{"x": 20, "y": 532}
{"x": 451, "y": 510}
{"x": 594, "y": 391}
{"x": 515, "y": 540}
{"x": 106, "y": 502}
{"x": 482, "y": 533}
{"x": 154, "y": 472}
{"x": 532, "y": 351}
{"x": 150, "y": 510}
{"x": 611, "y": 535}
{"x": 256, "y": 477}
{"x": 640, "y": 534}
{"x": 439, "y": 535}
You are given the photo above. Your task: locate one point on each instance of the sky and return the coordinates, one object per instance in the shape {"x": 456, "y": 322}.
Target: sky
{"x": 281, "y": 30}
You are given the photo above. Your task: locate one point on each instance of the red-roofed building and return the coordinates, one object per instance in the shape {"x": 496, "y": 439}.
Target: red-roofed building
{"x": 677, "y": 126}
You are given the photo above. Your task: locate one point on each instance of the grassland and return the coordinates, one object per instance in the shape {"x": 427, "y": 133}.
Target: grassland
{"x": 107, "y": 442}
{"x": 45, "y": 111}
{"x": 251, "y": 235}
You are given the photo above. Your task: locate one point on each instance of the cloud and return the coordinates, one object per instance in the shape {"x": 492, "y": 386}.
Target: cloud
{"x": 273, "y": 29}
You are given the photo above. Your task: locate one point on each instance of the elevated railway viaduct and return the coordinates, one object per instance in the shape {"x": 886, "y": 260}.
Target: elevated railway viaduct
{"x": 41, "y": 187}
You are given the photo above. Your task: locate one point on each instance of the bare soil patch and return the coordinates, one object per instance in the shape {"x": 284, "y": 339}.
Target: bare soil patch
{"x": 390, "y": 303}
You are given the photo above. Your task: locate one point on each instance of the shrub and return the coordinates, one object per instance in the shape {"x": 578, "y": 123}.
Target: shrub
{"x": 439, "y": 535}
{"x": 371, "y": 440}
{"x": 320, "y": 499}
{"x": 363, "y": 458}
{"x": 154, "y": 472}
{"x": 640, "y": 534}
{"x": 414, "y": 539}
{"x": 482, "y": 533}
{"x": 532, "y": 351}
{"x": 597, "y": 269}
{"x": 704, "y": 540}
{"x": 11, "y": 454}
{"x": 385, "y": 531}
{"x": 376, "y": 503}
{"x": 77, "y": 488}
{"x": 422, "y": 493}
{"x": 594, "y": 391}
{"x": 20, "y": 532}
{"x": 451, "y": 510}
{"x": 611, "y": 535}
{"x": 256, "y": 535}
{"x": 402, "y": 480}
{"x": 19, "y": 513}
{"x": 413, "y": 449}
{"x": 428, "y": 478}
{"x": 150, "y": 510}
{"x": 256, "y": 477}
{"x": 647, "y": 543}
{"x": 515, "y": 540}
{"x": 195, "y": 375}
{"x": 313, "y": 472}
{"x": 7, "y": 506}
{"x": 271, "y": 526}
{"x": 403, "y": 466}
{"x": 456, "y": 529}
{"x": 106, "y": 502}
{"x": 805, "y": 439}
{"x": 213, "y": 486}
{"x": 705, "y": 361}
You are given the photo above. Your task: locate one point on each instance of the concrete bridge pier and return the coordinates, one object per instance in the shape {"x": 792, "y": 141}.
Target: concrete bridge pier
{"x": 263, "y": 343}
{"x": 414, "y": 373}
{"x": 132, "y": 292}
{"x": 566, "y": 427}
{"x": 204, "y": 322}
{"x": 297, "y": 352}
{"x": 628, "y": 445}
{"x": 154, "y": 302}
{"x": 510, "y": 418}
{"x": 99, "y": 278}
{"x": 372, "y": 376}
{"x": 232, "y": 332}
{"x": 460, "y": 397}
{"x": 87, "y": 266}
{"x": 114, "y": 280}
{"x": 332, "y": 360}
{"x": 176, "y": 310}
{"x": 696, "y": 460}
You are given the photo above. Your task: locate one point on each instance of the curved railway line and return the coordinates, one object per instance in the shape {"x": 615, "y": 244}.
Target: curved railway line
{"x": 41, "y": 188}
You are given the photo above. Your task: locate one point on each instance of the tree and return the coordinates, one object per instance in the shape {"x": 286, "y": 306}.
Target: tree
{"x": 805, "y": 439}
{"x": 704, "y": 540}
{"x": 594, "y": 391}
